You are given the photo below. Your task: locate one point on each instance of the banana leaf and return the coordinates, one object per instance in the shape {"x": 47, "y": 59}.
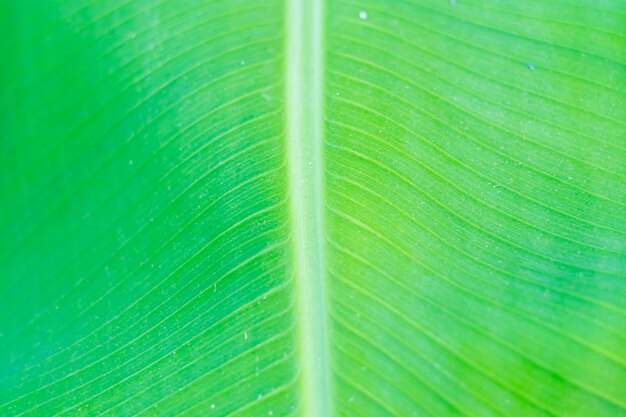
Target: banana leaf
{"x": 313, "y": 208}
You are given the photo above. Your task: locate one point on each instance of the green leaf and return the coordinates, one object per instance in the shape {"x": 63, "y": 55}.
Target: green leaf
{"x": 313, "y": 208}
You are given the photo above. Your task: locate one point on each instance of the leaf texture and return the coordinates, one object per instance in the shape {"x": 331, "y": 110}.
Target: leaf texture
{"x": 313, "y": 208}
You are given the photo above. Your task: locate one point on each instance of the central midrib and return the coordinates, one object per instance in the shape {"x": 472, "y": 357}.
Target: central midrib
{"x": 304, "y": 101}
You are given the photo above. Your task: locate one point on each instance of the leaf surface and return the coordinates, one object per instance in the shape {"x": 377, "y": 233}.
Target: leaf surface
{"x": 313, "y": 208}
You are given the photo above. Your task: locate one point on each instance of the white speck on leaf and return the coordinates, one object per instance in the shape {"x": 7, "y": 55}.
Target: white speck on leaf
{"x": 363, "y": 15}
{"x": 212, "y": 406}
{"x": 245, "y": 335}
{"x": 531, "y": 67}
{"x": 453, "y": 3}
